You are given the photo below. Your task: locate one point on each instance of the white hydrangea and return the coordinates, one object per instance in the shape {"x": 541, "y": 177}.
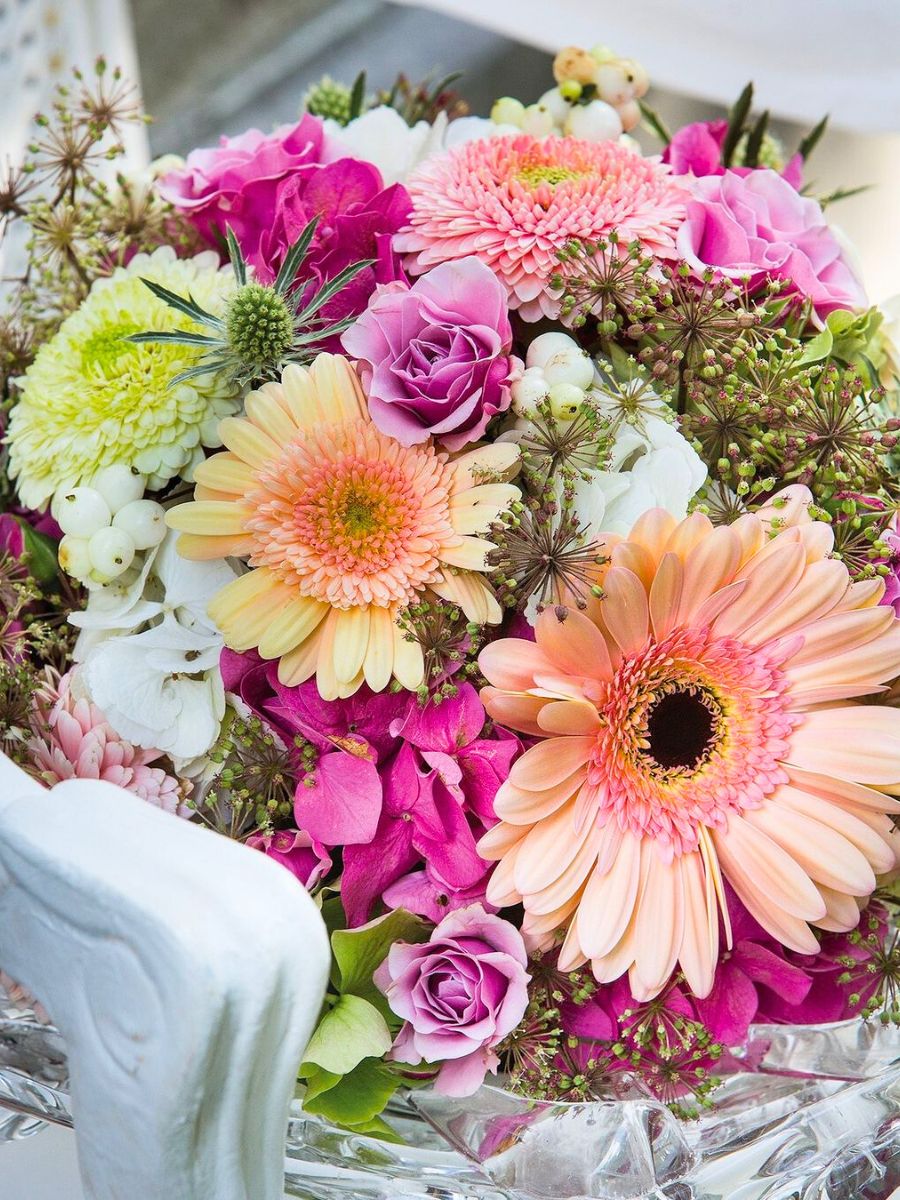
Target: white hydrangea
{"x": 149, "y": 654}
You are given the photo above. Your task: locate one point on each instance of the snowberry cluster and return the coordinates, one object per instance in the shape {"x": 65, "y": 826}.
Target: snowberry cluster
{"x": 596, "y": 98}
{"x": 105, "y": 525}
{"x": 557, "y": 371}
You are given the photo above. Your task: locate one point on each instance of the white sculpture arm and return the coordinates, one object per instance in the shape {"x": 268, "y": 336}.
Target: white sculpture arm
{"x": 185, "y": 973}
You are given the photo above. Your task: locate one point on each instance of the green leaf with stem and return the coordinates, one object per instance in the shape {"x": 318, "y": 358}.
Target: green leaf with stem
{"x": 736, "y": 119}
{"x": 755, "y": 140}
{"x": 174, "y": 336}
{"x": 354, "y": 1099}
{"x": 812, "y": 139}
{"x": 351, "y": 1031}
{"x": 358, "y": 95}
{"x": 359, "y": 952}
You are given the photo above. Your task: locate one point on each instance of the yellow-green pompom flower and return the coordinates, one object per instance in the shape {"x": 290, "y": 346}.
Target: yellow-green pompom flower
{"x": 92, "y": 397}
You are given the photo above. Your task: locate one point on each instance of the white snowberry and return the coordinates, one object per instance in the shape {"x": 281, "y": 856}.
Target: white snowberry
{"x": 528, "y": 391}
{"x": 596, "y": 121}
{"x": 118, "y": 485}
{"x": 508, "y": 111}
{"x": 555, "y": 103}
{"x": 81, "y": 511}
{"x": 74, "y": 556}
{"x": 565, "y": 400}
{"x": 543, "y": 348}
{"x": 537, "y": 120}
{"x": 112, "y": 552}
{"x": 570, "y": 366}
{"x": 144, "y": 521}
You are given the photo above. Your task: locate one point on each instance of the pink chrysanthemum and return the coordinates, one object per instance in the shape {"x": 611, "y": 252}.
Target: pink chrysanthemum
{"x": 514, "y": 201}
{"x": 697, "y": 725}
{"x": 81, "y": 744}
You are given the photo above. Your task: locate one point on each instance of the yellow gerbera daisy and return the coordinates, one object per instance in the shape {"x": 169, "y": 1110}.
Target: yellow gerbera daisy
{"x": 342, "y": 528}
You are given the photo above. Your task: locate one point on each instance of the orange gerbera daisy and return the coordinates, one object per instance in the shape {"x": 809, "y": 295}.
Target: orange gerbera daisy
{"x": 342, "y": 528}
{"x": 696, "y": 725}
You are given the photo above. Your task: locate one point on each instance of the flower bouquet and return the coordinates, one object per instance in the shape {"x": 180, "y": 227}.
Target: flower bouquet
{"x": 494, "y": 524}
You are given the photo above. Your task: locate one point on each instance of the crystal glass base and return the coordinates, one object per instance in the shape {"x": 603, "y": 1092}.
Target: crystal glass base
{"x": 808, "y": 1113}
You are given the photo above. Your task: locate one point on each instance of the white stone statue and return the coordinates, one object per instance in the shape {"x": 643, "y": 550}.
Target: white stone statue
{"x": 185, "y": 973}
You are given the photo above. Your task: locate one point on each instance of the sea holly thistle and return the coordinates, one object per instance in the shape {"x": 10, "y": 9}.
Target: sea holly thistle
{"x": 264, "y": 327}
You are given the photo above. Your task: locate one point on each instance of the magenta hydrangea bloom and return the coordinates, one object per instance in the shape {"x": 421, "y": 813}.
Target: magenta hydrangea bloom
{"x": 892, "y": 579}
{"x": 696, "y": 149}
{"x": 460, "y": 994}
{"x": 435, "y": 359}
{"x": 755, "y": 226}
{"x": 297, "y": 851}
{"x": 438, "y": 800}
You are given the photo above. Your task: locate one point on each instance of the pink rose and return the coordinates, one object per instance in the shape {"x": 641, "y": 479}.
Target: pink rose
{"x": 757, "y": 225}
{"x": 236, "y": 182}
{"x": 460, "y": 994}
{"x": 296, "y": 851}
{"x": 435, "y": 358}
{"x": 696, "y": 149}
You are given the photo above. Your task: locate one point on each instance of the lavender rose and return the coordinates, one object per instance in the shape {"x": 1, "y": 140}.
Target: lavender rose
{"x": 435, "y": 358}
{"x": 460, "y": 994}
{"x": 757, "y": 225}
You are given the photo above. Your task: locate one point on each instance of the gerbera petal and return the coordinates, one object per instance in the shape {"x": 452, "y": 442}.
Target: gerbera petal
{"x": 826, "y": 857}
{"x": 569, "y": 716}
{"x": 665, "y": 594}
{"x": 768, "y": 867}
{"x": 625, "y": 609}
{"x": 409, "y": 663}
{"x": 351, "y": 641}
{"x": 573, "y": 643}
{"x": 475, "y": 510}
{"x": 608, "y": 903}
{"x": 379, "y": 660}
{"x": 225, "y": 472}
{"x": 473, "y": 595}
{"x": 265, "y": 410}
{"x": 653, "y": 530}
{"x": 710, "y": 565}
{"x": 294, "y": 623}
{"x": 766, "y": 590}
{"x": 248, "y": 442}
{"x": 216, "y": 518}
{"x": 550, "y": 762}
{"x": 518, "y": 806}
{"x": 860, "y": 744}
{"x": 699, "y": 950}
{"x": 513, "y": 710}
{"x": 467, "y": 553}
{"x": 547, "y": 850}
{"x": 511, "y": 663}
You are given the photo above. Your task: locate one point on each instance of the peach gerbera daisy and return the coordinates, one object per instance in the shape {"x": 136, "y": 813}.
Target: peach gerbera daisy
{"x": 342, "y": 527}
{"x": 697, "y": 725}
{"x": 515, "y": 201}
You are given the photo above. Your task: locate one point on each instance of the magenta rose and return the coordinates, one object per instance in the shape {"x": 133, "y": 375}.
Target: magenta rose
{"x": 756, "y": 225}
{"x": 236, "y": 182}
{"x": 696, "y": 149}
{"x": 460, "y": 994}
{"x": 435, "y": 358}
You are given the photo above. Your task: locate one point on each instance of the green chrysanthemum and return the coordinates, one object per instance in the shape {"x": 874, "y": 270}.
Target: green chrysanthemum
{"x": 92, "y": 397}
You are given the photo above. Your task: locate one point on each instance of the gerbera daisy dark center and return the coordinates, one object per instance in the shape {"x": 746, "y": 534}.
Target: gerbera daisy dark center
{"x": 680, "y": 729}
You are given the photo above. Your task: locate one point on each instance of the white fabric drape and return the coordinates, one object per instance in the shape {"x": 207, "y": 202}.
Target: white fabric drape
{"x": 806, "y": 57}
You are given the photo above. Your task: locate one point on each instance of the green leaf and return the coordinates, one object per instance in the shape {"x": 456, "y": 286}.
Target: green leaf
{"x": 654, "y": 122}
{"x": 41, "y": 551}
{"x": 317, "y": 1081}
{"x": 189, "y": 306}
{"x": 819, "y": 348}
{"x": 358, "y": 95}
{"x": 755, "y": 140}
{"x": 843, "y": 194}
{"x": 736, "y": 118}
{"x": 236, "y": 256}
{"x": 378, "y": 1128}
{"x": 333, "y": 914}
{"x": 294, "y": 257}
{"x": 357, "y": 1098}
{"x": 353, "y": 1030}
{"x": 359, "y": 952}
{"x": 812, "y": 139}
{"x": 205, "y": 368}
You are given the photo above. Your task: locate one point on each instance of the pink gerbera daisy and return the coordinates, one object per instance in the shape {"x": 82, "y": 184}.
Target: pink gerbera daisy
{"x": 514, "y": 201}
{"x": 696, "y": 726}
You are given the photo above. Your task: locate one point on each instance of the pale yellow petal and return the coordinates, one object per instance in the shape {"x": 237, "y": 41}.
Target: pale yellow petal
{"x": 293, "y": 624}
{"x": 298, "y": 666}
{"x": 338, "y": 387}
{"x": 379, "y": 661}
{"x": 249, "y": 442}
{"x": 468, "y": 553}
{"x": 351, "y": 640}
{"x": 473, "y": 595}
{"x": 497, "y": 461}
{"x": 409, "y": 664}
{"x": 215, "y": 518}
{"x": 199, "y": 548}
{"x": 475, "y": 510}
{"x": 225, "y": 472}
{"x": 265, "y": 410}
